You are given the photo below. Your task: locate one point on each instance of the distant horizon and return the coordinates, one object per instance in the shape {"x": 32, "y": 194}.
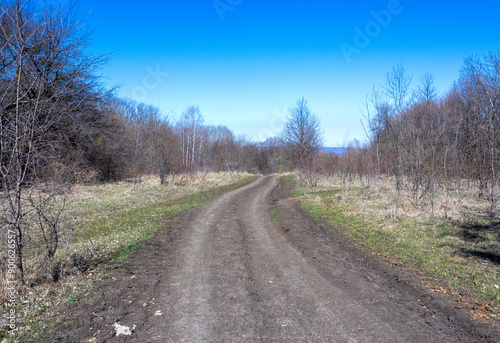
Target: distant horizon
{"x": 337, "y": 150}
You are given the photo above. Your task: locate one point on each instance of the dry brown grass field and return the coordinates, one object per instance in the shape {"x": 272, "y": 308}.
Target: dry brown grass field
{"x": 454, "y": 248}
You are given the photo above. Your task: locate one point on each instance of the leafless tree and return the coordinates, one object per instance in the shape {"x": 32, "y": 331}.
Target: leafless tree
{"x": 302, "y": 134}
{"x": 426, "y": 91}
{"x": 397, "y": 88}
{"x": 46, "y": 80}
{"x": 429, "y": 143}
{"x": 479, "y": 103}
{"x": 424, "y": 147}
{"x": 135, "y": 118}
{"x": 188, "y": 127}
{"x": 166, "y": 154}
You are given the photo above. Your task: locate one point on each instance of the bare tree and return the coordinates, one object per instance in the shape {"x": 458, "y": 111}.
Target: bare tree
{"x": 397, "y": 88}
{"x": 135, "y": 119}
{"x": 426, "y": 92}
{"x": 165, "y": 153}
{"x": 46, "y": 79}
{"x": 424, "y": 147}
{"x": 479, "y": 94}
{"x": 224, "y": 149}
{"x": 302, "y": 134}
{"x": 188, "y": 127}
{"x": 430, "y": 143}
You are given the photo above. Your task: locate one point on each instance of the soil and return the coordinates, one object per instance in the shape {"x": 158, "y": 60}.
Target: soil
{"x": 230, "y": 272}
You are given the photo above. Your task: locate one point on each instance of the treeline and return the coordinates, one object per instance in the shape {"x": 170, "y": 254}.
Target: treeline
{"x": 135, "y": 139}
{"x": 140, "y": 140}
{"x": 429, "y": 143}
{"x": 59, "y": 123}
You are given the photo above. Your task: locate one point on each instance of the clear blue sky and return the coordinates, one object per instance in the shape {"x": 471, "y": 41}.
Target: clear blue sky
{"x": 244, "y": 62}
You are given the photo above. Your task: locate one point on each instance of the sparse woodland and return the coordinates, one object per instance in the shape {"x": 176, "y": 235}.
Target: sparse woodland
{"x": 422, "y": 193}
{"x": 427, "y": 144}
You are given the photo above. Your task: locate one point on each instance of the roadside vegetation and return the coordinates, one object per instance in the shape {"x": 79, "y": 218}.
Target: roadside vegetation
{"x": 103, "y": 224}
{"x": 454, "y": 252}
{"x": 423, "y": 190}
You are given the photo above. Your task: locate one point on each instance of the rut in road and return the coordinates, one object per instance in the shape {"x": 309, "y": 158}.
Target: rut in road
{"x": 238, "y": 280}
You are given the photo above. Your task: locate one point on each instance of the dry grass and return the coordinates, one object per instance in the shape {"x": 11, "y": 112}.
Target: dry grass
{"x": 92, "y": 203}
{"x": 456, "y": 247}
{"x": 130, "y": 194}
{"x": 461, "y": 203}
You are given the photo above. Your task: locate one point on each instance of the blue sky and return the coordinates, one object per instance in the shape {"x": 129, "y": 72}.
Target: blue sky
{"x": 244, "y": 62}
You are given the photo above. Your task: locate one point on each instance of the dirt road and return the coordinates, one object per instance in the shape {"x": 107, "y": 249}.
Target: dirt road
{"x": 226, "y": 272}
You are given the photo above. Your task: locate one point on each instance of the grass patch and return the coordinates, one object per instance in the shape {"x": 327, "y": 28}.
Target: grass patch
{"x": 276, "y": 217}
{"x": 291, "y": 179}
{"x": 459, "y": 258}
{"x": 274, "y": 213}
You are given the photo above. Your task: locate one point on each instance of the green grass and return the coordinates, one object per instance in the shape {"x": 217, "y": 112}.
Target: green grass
{"x": 291, "y": 179}
{"x": 276, "y": 217}
{"x": 431, "y": 246}
{"x": 274, "y": 213}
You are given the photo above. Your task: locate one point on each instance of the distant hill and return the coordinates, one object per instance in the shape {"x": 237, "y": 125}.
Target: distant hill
{"x": 337, "y": 150}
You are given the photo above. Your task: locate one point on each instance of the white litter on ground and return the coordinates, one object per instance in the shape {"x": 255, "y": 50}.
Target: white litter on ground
{"x": 123, "y": 330}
